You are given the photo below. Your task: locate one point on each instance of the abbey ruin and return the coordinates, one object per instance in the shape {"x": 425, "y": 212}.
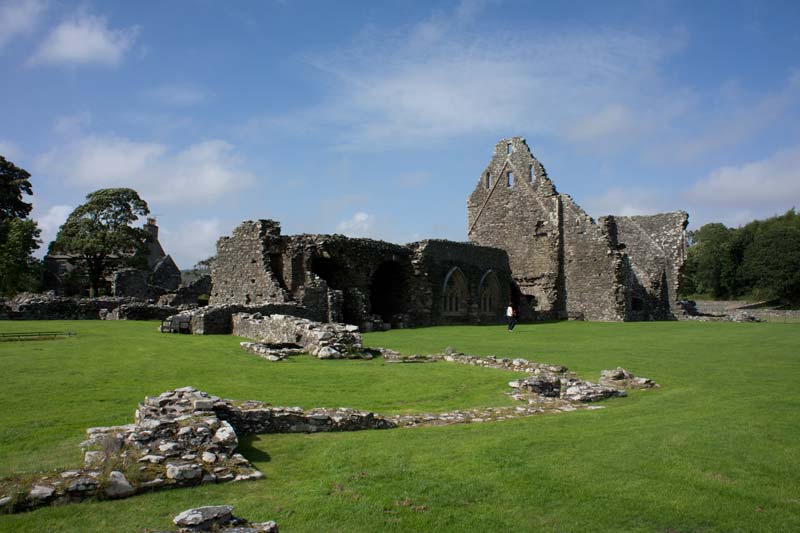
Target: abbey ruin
{"x": 529, "y": 245}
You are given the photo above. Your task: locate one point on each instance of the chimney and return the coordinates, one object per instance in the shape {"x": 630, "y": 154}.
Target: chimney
{"x": 151, "y": 228}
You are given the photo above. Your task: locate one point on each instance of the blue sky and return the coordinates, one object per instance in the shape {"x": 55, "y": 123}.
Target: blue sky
{"x": 376, "y": 118}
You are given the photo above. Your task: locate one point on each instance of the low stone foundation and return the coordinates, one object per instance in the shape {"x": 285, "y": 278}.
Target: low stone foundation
{"x": 218, "y": 319}
{"x": 324, "y": 340}
{"x": 186, "y": 437}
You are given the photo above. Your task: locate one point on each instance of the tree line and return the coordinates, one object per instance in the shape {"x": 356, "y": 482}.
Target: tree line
{"x": 760, "y": 260}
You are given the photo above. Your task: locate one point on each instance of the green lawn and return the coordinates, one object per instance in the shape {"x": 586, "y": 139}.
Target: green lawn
{"x": 716, "y": 448}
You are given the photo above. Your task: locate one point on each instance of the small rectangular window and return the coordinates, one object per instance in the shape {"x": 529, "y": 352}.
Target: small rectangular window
{"x": 509, "y": 148}
{"x": 532, "y": 173}
{"x": 510, "y": 179}
{"x": 488, "y": 181}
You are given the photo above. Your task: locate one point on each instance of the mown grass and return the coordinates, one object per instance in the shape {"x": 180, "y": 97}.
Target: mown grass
{"x": 714, "y": 449}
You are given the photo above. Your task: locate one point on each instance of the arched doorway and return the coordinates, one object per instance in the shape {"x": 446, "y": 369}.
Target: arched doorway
{"x": 388, "y": 291}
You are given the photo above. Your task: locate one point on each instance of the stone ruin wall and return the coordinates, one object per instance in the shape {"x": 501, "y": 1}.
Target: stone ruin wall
{"x": 566, "y": 265}
{"x": 369, "y": 283}
{"x": 524, "y": 220}
{"x": 241, "y": 272}
{"x": 594, "y": 271}
{"x": 656, "y": 248}
{"x": 433, "y": 260}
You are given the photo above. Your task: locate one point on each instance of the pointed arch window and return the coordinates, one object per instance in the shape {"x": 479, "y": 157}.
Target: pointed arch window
{"x": 455, "y": 294}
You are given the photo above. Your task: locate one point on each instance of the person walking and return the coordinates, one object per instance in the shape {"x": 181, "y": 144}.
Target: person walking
{"x": 511, "y": 316}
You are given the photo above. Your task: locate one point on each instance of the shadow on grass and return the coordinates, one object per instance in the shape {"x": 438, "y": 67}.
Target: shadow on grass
{"x": 249, "y": 447}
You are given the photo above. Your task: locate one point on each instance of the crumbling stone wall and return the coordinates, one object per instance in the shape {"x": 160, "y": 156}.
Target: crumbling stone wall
{"x": 322, "y": 340}
{"x": 242, "y": 272}
{"x": 564, "y": 264}
{"x": 368, "y": 283}
{"x": 656, "y": 249}
{"x": 188, "y": 294}
{"x": 434, "y": 260}
{"x": 594, "y": 270}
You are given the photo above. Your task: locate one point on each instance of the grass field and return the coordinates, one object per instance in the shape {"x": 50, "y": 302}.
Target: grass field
{"x": 715, "y": 449}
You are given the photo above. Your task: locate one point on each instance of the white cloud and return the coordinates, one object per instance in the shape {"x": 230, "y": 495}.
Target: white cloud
{"x": 18, "y": 17}
{"x": 10, "y": 150}
{"x": 85, "y": 39}
{"x": 200, "y": 173}
{"x": 440, "y": 79}
{"x": 49, "y": 222}
{"x": 361, "y": 224}
{"x": 183, "y": 95}
{"x": 72, "y": 125}
{"x": 771, "y": 183}
{"x": 627, "y": 202}
{"x": 192, "y": 241}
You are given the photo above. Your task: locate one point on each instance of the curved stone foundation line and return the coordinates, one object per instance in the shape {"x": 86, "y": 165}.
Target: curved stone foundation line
{"x": 187, "y": 437}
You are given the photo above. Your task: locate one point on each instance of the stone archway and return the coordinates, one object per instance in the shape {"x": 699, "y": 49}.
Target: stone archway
{"x": 455, "y": 294}
{"x": 489, "y": 302}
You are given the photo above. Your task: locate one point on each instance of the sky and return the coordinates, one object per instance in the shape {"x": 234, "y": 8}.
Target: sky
{"x": 377, "y": 118}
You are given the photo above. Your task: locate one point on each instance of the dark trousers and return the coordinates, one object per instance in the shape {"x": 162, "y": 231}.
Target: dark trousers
{"x": 512, "y": 321}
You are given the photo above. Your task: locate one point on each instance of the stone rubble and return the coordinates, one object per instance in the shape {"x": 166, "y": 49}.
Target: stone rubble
{"x": 219, "y": 518}
{"x": 320, "y": 339}
{"x": 270, "y": 352}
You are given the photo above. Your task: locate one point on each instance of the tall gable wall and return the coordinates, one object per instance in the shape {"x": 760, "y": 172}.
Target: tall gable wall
{"x": 522, "y": 219}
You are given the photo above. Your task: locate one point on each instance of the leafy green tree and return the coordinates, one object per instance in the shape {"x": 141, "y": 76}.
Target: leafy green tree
{"x": 99, "y": 233}
{"x": 14, "y": 181}
{"x": 709, "y": 269}
{"x": 19, "y": 270}
{"x": 19, "y": 237}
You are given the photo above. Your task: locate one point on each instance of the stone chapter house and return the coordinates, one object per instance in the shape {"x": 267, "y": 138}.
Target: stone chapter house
{"x": 529, "y": 245}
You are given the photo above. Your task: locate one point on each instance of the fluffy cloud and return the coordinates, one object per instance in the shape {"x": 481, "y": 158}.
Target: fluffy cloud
{"x": 443, "y": 78}
{"x": 361, "y": 224}
{"x": 192, "y": 241}
{"x": 627, "y": 202}
{"x": 772, "y": 184}
{"x": 85, "y": 39}
{"x": 200, "y": 173}
{"x": 18, "y": 17}
{"x": 49, "y": 222}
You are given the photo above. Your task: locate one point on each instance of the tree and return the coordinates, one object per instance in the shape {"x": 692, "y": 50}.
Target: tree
{"x": 19, "y": 270}
{"x": 19, "y": 237}
{"x": 99, "y": 235}
{"x": 709, "y": 269}
{"x": 14, "y": 181}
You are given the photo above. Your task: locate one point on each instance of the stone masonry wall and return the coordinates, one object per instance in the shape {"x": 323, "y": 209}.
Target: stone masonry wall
{"x": 241, "y": 271}
{"x": 433, "y": 260}
{"x": 594, "y": 271}
{"x": 523, "y": 219}
{"x": 656, "y": 249}
{"x": 565, "y": 264}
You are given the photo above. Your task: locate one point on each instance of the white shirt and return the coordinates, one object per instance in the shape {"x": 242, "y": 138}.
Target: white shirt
{"x": 510, "y": 311}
